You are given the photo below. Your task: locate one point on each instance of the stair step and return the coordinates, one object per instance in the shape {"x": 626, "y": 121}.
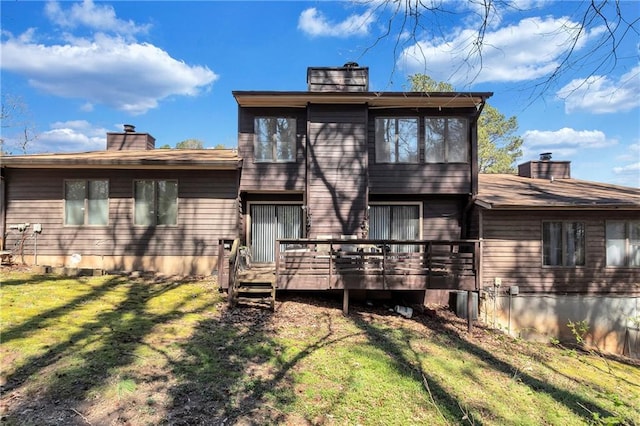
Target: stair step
{"x": 243, "y": 289}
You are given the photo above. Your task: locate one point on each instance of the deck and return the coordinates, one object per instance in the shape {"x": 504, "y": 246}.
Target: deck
{"x": 305, "y": 264}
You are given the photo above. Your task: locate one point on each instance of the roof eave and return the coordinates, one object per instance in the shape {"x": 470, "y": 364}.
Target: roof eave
{"x": 142, "y": 164}
{"x": 373, "y": 99}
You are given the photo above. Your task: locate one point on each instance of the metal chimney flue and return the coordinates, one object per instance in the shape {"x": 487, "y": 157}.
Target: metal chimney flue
{"x": 545, "y": 156}
{"x": 129, "y": 128}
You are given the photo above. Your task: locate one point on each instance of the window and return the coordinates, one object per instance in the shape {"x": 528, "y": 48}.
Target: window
{"x": 446, "y": 140}
{"x": 86, "y": 202}
{"x": 156, "y": 202}
{"x": 563, "y": 244}
{"x": 275, "y": 139}
{"x": 397, "y": 140}
{"x": 395, "y": 222}
{"x": 623, "y": 243}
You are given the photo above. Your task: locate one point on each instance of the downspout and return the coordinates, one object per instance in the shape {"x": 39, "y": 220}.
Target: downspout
{"x": 475, "y": 167}
{"x": 3, "y": 210}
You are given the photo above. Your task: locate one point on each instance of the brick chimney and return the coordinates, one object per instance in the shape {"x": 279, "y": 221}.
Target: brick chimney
{"x": 130, "y": 140}
{"x": 350, "y": 77}
{"x": 545, "y": 168}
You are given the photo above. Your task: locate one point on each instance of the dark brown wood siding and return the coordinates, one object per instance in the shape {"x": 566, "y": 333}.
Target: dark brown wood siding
{"x": 270, "y": 176}
{"x": 337, "y": 176}
{"x": 420, "y": 178}
{"x": 207, "y": 212}
{"x": 512, "y": 251}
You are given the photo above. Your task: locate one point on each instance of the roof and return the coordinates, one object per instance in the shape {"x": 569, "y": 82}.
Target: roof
{"x": 373, "y": 99}
{"x": 194, "y": 159}
{"x": 504, "y": 191}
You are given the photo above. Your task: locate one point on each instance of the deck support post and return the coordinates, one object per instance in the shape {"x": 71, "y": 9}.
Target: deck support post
{"x": 469, "y": 310}
{"x": 345, "y": 301}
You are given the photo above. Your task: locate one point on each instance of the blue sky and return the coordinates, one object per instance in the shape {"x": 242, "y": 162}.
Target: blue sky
{"x": 82, "y": 69}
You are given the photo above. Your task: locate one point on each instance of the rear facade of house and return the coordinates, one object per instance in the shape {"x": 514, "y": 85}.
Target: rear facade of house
{"x": 364, "y": 190}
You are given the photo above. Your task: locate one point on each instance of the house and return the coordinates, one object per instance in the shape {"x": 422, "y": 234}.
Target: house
{"x": 557, "y": 249}
{"x": 130, "y": 207}
{"x": 337, "y": 171}
{"x": 341, "y": 188}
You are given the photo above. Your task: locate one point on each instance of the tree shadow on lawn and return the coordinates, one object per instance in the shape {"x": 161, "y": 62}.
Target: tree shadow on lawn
{"x": 408, "y": 362}
{"x": 38, "y": 321}
{"x": 456, "y": 334}
{"x": 99, "y": 348}
{"x": 234, "y": 370}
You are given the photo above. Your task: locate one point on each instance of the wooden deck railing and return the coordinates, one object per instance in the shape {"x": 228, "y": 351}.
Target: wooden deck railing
{"x": 303, "y": 263}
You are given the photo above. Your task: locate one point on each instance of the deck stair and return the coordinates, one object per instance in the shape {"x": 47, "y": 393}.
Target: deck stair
{"x": 255, "y": 285}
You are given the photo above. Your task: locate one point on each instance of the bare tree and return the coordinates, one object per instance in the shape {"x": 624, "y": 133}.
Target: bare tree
{"x": 407, "y": 22}
{"x": 17, "y": 128}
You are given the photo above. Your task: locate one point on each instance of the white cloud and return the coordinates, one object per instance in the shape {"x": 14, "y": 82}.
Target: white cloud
{"x": 635, "y": 167}
{"x": 70, "y": 136}
{"x": 601, "y": 94}
{"x": 628, "y": 174}
{"x": 565, "y": 141}
{"x": 314, "y": 23}
{"x": 530, "y": 49}
{"x": 105, "y": 69}
{"x": 98, "y": 17}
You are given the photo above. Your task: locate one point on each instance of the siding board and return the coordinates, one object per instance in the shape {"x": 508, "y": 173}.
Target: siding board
{"x": 207, "y": 212}
{"x": 512, "y": 251}
{"x": 337, "y": 169}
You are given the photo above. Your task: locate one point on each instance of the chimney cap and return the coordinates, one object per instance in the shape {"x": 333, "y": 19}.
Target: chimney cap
{"x": 129, "y": 128}
{"x": 545, "y": 156}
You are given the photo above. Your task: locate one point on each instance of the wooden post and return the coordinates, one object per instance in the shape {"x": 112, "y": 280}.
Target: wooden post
{"x": 469, "y": 310}
{"x": 345, "y": 302}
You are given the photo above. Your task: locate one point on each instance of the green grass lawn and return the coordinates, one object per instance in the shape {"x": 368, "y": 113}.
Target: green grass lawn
{"x": 115, "y": 350}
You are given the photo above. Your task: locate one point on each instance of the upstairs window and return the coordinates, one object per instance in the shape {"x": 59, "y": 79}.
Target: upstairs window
{"x": 446, "y": 140}
{"x": 86, "y": 202}
{"x": 156, "y": 202}
{"x": 563, "y": 244}
{"x": 275, "y": 139}
{"x": 397, "y": 140}
{"x": 623, "y": 243}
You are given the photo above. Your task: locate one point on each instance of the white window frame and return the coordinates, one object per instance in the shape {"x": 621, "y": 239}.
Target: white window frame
{"x": 273, "y": 144}
{"x": 628, "y": 244}
{"x": 86, "y": 209}
{"x": 156, "y": 203}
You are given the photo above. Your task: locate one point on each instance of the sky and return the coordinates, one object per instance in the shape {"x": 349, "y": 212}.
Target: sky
{"x": 73, "y": 71}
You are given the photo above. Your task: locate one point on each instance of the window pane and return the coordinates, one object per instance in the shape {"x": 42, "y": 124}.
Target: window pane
{"x": 275, "y": 139}
{"x": 167, "y": 202}
{"x": 397, "y": 140}
{"x": 74, "y": 195}
{"x": 457, "y": 149}
{"x": 434, "y": 139}
{"x": 634, "y": 243}
{"x": 404, "y": 226}
{"x": 144, "y": 200}
{"x": 395, "y": 222}
{"x": 384, "y": 138}
{"x": 574, "y": 244}
{"x": 379, "y": 222}
{"x": 98, "y": 202}
{"x": 552, "y": 243}
{"x": 615, "y": 243}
